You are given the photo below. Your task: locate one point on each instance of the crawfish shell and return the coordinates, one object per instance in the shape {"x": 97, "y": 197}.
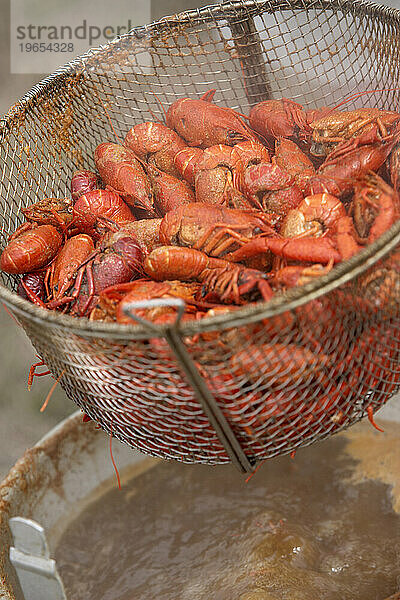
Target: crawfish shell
{"x": 35, "y": 283}
{"x": 42, "y": 212}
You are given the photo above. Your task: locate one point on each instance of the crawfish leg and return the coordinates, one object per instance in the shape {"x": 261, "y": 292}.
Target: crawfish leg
{"x": 263, "y": 286}
{"x": 218, "y": 238}
{"x": 229, "y": 283}
{"x": 32, "y": 296}
{"x": 48, "y": 279}
{"x": 223, "y": 282}
{"x": 370, "y": 413}
{"x": 91, "y": 289}
{"x": 75, "y": 291}
{"x": 59, "y": 220}
{"x": 32, "y": 372}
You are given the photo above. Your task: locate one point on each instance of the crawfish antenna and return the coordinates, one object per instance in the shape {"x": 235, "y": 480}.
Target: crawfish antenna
{"x": 208, "y": 96}
{"x": 110, "y": 121}
{"x": 112, "y": 456}
{"x": 359, "y": 94}
{"x": 49, "y": 395}
{"x": 162, "y": 107}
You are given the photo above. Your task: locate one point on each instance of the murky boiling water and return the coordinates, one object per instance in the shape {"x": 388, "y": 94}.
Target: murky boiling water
{"x": 296, "y": 531}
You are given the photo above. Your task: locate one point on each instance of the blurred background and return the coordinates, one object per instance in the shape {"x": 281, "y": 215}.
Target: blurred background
{"x": 21, "y": 423}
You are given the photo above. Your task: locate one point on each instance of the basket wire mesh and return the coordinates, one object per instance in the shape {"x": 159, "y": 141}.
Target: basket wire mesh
{"x": 264, "y": 380}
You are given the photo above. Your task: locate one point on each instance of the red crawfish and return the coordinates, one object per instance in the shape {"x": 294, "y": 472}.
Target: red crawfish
{"x": 375, "y": 207}
{"x": 394, "y": 167}
{"x": 375, "y": 210}
{"x": 250, "y": 153}
{"x": 371, "y": 124}
{"x": 271, "y": 188}
{"x": 217, "y": 178}
{"x": 186, "y": 163}
{"x": 293, "y": 275}
{"x": 49, "y": 211}
{"x": 63, "y": 271}
{"x": 83, "y": 182}
{"x": 273, "y": 119}
{"x": 278, "y": 118}
{"x": 213, "y": 229}
{"x": 228, "y": 282}
{"x": 169, "y": 192}
{"x": 145, "y": 232}
{"x": 201, "y": 123}
{"x": 381, "y": 287}
{"x": 290, "y": 158}
{"x": 100, "y": 210}
{"x": 31, "y": 250}
{"x": 307, "y": 249}
{"x": 149, "y": 290}
{"x": 114, "y": 299}
{"x": 118, "y": 263}
{"x": 156, "y": 144}
{"x": 31, "y": 287}
{"x": 350, "y": 161}
{"x": 120, "y": 169}
{"x": 316, "y": 215}
{"x": 322, "y": 216}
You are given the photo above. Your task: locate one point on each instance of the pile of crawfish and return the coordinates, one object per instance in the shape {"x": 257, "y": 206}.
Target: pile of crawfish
{"x": 212, "y": 207}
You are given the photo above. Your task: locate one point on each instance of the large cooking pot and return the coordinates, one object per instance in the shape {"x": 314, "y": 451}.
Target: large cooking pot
{"x": 53, "y": 482}
{"x": 70, "y": 468}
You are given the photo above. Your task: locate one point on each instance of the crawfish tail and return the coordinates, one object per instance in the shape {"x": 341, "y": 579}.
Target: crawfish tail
{"x": 120, "y": 169}
{"x": 184, "y": 264}
{"x": 320, "y": 250}
{"x": 31, "y": 250}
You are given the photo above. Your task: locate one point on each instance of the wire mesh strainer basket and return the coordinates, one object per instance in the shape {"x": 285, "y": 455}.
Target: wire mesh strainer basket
{"x": 263, "y": 380}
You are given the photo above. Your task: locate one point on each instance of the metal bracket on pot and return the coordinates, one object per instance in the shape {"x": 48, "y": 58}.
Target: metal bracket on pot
{"x": 202, "y": 391}
{"x": 30, "y": 557}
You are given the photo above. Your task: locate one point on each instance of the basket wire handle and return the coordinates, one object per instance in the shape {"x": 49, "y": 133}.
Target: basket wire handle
{"x": 215, "y": 415}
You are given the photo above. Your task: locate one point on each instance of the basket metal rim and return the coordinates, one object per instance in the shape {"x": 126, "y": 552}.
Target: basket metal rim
{"x": 295, "y": 297}
{"x": 292, "y": 299}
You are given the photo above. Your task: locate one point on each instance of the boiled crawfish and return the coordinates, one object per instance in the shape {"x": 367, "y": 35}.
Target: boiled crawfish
{"x": 63, "y": 271}
{"x": 271, "y": 188}
{"x": 370, "y": 124}
{"x": 274, "y": 119}
{"x": 31, "y": 250}
{"x": 119, "y": 262}
{"x": 228, "y": 282}
{"x": 213, "y": 229}
{"x": 216, "y": 179}
{"x": 120, "y": 169}
{"x": 100, "y": 210}
{"x": 168, "y": 191}
{"x": 201, "y": 123}
{"x": 350, "y": 161}
{"x": 185, "y": 162}
{"x": 140, "y": 290}
{"x": 145, "y": 232}
{"x": 376, "y": 207}
{"x": 156, "y": 144}
{"x": 83, "y": 182}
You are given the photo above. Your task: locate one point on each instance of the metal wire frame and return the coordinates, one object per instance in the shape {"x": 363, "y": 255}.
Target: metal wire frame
{"x": 248, "y": 50}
